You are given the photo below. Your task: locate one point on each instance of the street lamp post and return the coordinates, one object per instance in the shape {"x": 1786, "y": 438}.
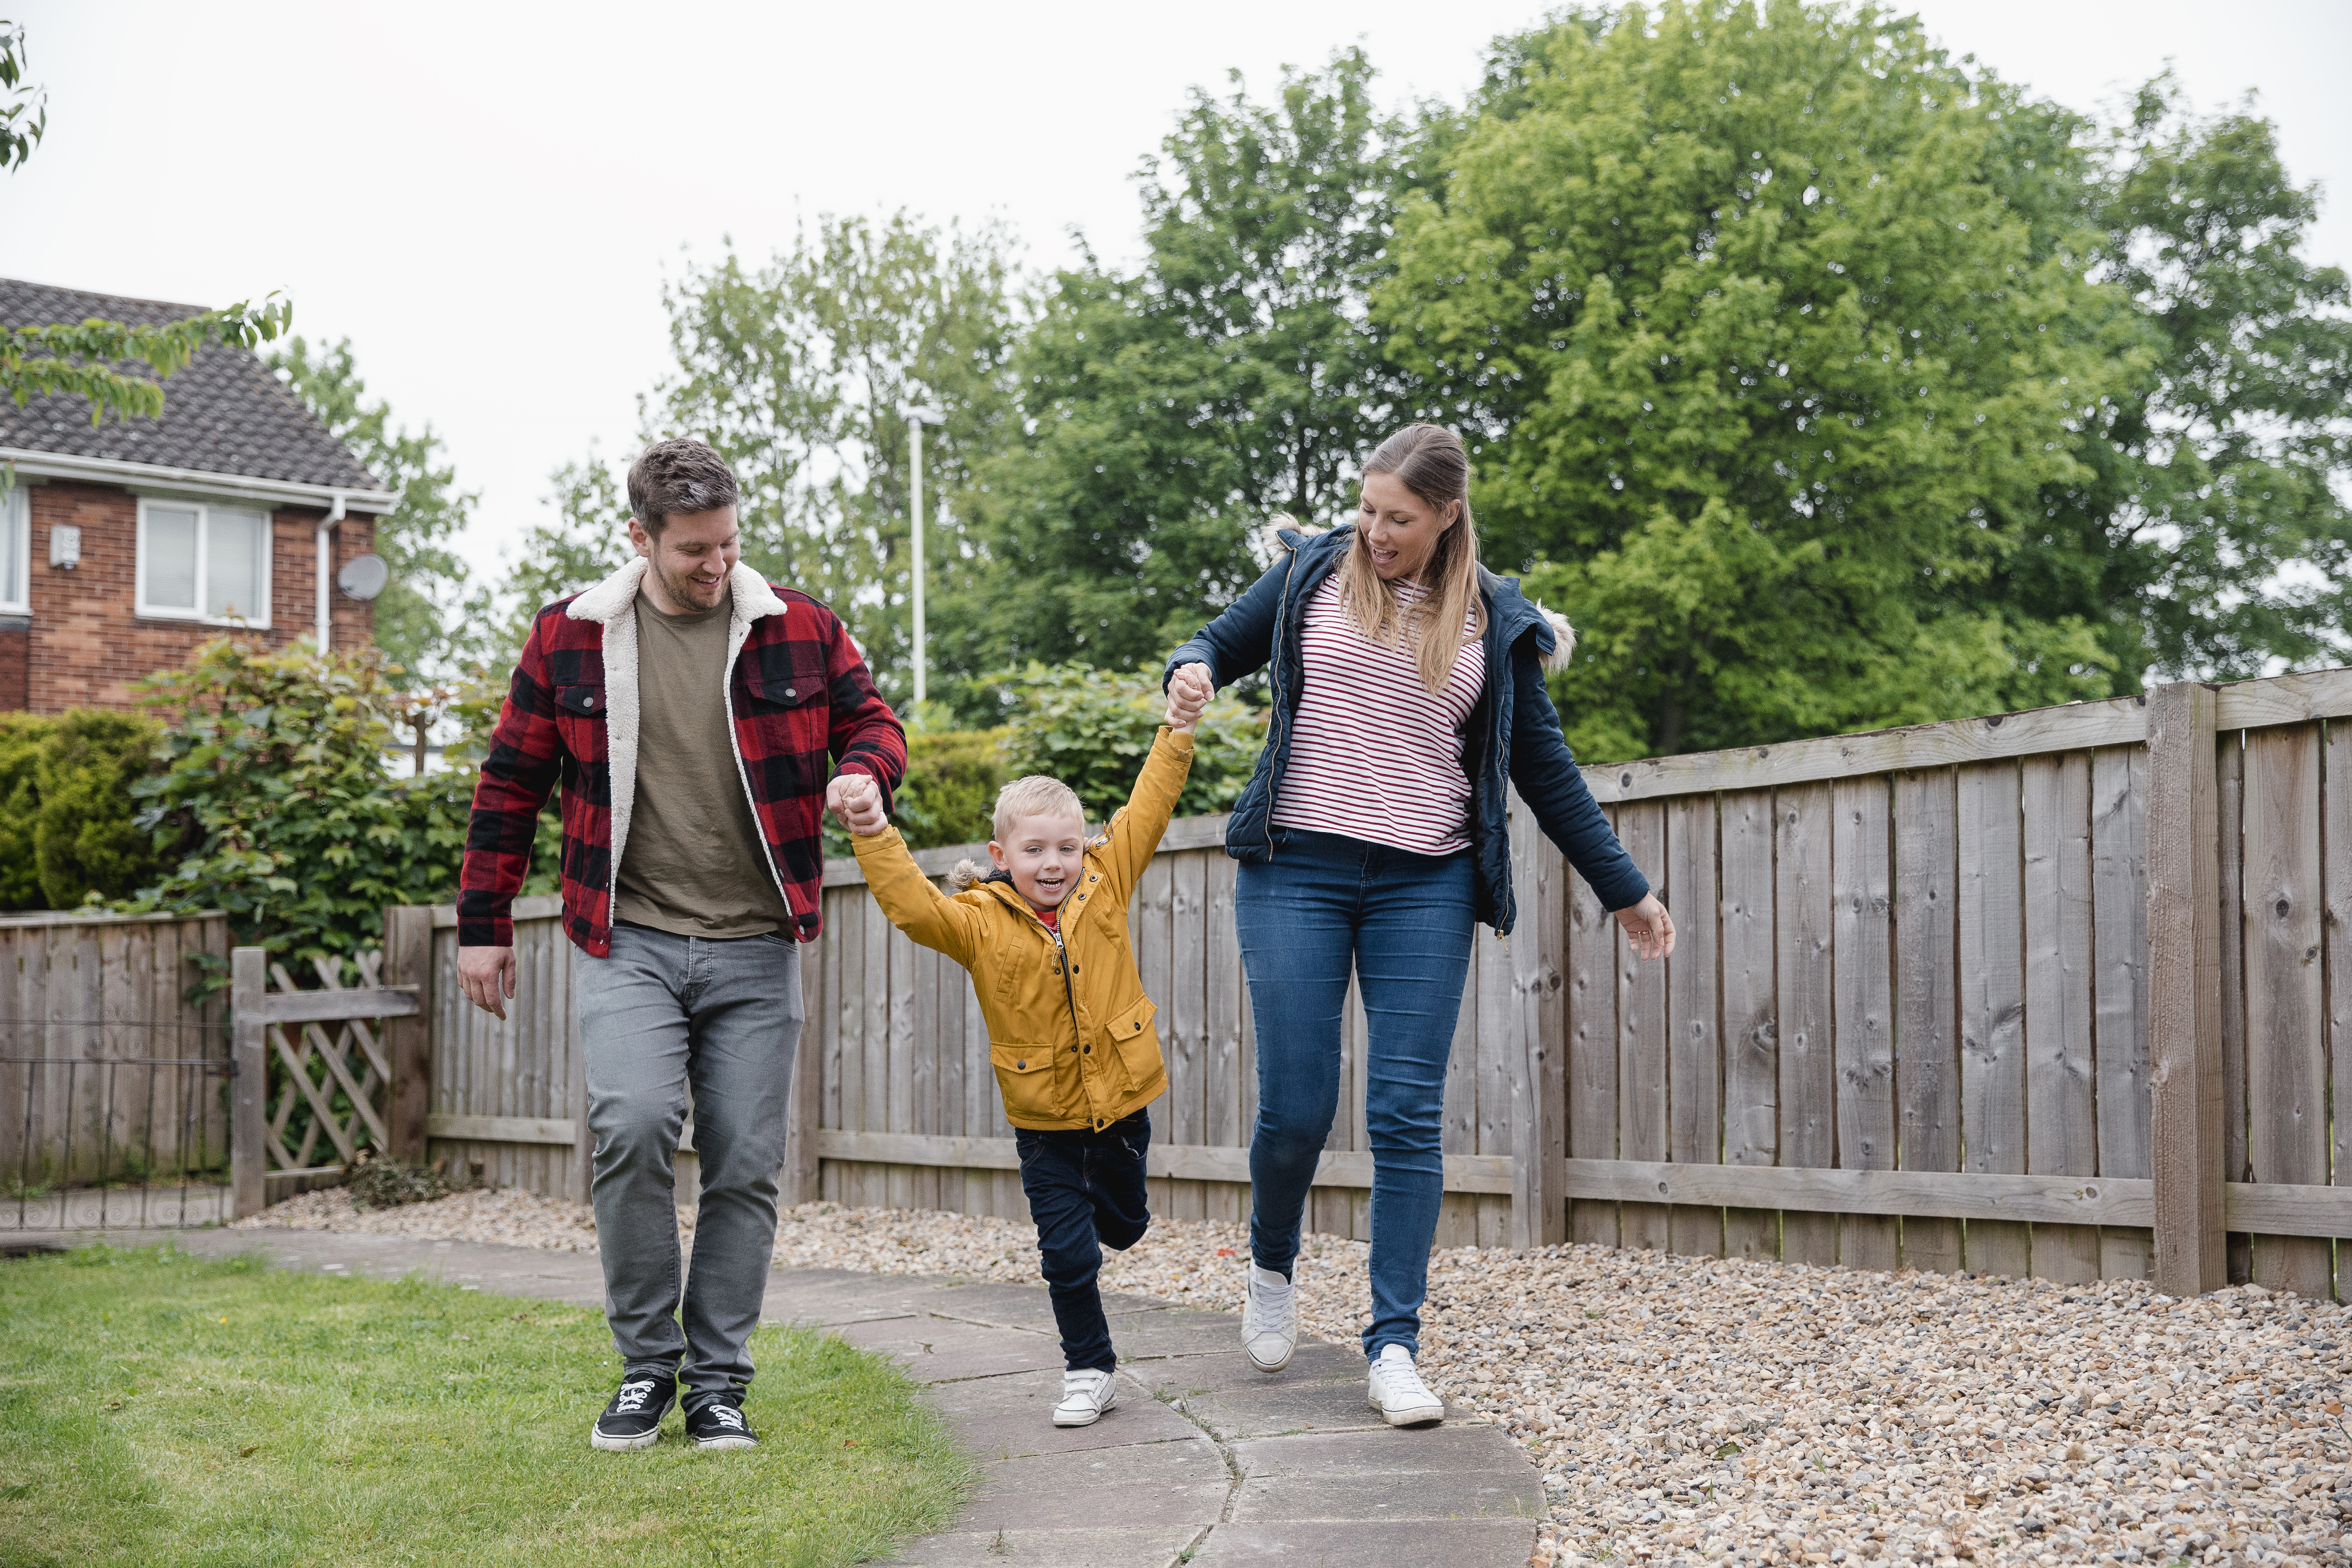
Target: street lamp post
{"x": 917, "y": 418}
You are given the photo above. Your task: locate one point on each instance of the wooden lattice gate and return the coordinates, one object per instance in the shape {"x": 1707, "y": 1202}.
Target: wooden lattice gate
{"x": 315, "y": 1080}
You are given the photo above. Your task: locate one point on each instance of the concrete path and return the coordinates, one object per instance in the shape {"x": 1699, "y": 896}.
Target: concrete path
{"x": 1203, "y": 1460}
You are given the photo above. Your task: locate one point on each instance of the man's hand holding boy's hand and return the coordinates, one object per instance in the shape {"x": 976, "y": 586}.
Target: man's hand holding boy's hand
{"x": 856, "y": 800}
{"x": 1188, "y": 693}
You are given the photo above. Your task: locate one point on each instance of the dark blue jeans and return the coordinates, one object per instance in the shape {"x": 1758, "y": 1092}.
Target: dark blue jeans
{"x": 1324, "y": 904}
{"x": 1086, "y": 1193}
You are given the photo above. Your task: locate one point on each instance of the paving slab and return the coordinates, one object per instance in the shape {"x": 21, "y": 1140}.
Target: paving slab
{"x": 1174, "y": 1332}
{"x": 1315, "y": 1360}
{"x": 1024, "y": 1306}
{"x": 940, "y": 1350}
{"x": 821, "y": 1297}
{"x": 1372, "y": 1543}
{"x": 1050, "y": 1548}
{"x": 1445, "y": 1473}
{"x": 1012, "y": 1416}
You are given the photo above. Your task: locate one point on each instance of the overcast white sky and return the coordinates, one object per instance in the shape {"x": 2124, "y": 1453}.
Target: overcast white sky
{"x": 486, "y": 197}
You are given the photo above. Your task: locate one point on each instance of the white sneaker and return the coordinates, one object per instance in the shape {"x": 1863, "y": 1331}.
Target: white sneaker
{"x": 1398, "y": 1392}
{"x": 1270, "y": 1317}
{"x": 1085, "y": 1396}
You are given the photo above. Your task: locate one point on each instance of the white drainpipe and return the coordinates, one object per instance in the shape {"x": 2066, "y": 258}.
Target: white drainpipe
{"x": 326, "y": 567}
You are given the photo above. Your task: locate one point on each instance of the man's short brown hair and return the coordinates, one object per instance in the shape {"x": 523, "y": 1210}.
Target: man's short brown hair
{"x": 671, "y": 477}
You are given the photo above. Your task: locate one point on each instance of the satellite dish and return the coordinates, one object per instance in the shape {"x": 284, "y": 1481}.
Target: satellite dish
{"x": 363, "y": 576}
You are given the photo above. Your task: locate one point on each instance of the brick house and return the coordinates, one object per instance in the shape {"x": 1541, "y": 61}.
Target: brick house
{"x": 125, "y": 545}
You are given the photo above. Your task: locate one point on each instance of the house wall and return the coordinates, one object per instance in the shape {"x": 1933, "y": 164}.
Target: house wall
{"x": 86, "y": 646}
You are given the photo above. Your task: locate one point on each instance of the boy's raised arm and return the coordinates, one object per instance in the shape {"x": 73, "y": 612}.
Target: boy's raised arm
{"x": 1135, "y": 831}
{"x": 914, "y": 904}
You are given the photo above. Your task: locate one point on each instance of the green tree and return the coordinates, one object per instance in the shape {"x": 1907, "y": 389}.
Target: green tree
{"x": 1092, "y": 730}
{"x": 1773, "y": 337}
{"x": 1165, "y": 414}
{"x": 422, "y": 619}
{"x": 800, "y": 372}
{"x": 2210, "y": 536}
{"x": 23, "y": 110}
{"x": 588, "y": 541}
{"x": 90, "y": 360}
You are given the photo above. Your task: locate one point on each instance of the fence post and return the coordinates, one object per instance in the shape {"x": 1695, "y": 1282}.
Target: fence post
{"x": 408, "y": 1042}
{"x": 249, "y": 969}
{"x": 1539, "y": 1087}
{"x": 2184, "y": 968}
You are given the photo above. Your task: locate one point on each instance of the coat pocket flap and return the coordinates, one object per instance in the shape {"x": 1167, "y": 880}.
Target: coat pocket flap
{"x": 587, "y": 702}
{"x": 1020, "y": 1059}
{"x": 1132, "y": 1022}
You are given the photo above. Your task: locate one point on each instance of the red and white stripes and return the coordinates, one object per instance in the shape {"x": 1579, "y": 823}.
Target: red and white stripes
{"x": 1373, "y": 755}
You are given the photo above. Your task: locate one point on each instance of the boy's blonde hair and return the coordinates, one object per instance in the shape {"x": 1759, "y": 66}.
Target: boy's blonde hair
{"x": 1035, "y": 795}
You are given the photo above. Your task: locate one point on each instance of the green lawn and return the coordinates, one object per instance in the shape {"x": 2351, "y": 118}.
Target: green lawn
{"x": 156, "y": 1408}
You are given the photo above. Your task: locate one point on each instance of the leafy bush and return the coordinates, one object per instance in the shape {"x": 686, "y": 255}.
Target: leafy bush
{"x": 1092, "y": 729}
{"x": 280, "y": 808}
{"x": 87, "y": 838}
{"x": 67, "y": 819}
{"x": 949, "y": 791}
{"x": 22, "y": 736}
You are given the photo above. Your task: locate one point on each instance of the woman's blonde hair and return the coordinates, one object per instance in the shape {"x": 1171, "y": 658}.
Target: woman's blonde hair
{"x": 1428, "y": 461}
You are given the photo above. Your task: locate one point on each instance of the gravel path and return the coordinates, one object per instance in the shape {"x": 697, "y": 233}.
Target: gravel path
{"x": 1698, "y": 1408}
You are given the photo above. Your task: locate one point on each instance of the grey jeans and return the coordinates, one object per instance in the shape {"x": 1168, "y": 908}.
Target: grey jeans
{"x": 662, "y": 1013}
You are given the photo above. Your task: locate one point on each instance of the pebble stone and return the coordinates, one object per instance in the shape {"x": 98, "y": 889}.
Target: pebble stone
{"x": 1712, "y": 1410}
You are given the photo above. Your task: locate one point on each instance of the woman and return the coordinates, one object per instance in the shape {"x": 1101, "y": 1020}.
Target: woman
{"x": 1408, "y": 683}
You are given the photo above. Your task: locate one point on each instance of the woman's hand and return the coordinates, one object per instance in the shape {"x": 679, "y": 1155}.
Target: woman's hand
{"x": 1648, "y": 927}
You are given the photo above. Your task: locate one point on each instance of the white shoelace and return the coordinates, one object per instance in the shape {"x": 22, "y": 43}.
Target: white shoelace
{"x": 632, "y": 1397}
{"x": 1271, "y": 1291}
{"x": 725, "y": 1415}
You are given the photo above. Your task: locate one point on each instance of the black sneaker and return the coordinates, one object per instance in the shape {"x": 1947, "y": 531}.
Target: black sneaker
{"x": 718, "y": 1423}
{"x": 633, "y": 1418}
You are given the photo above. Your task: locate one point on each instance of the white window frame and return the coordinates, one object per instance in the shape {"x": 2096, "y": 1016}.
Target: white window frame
{"x": 204, "y": 511}
{"x": 17, "y": 506}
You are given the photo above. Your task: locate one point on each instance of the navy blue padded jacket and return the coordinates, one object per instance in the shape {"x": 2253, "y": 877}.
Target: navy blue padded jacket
{"x": 1514, "y": 734}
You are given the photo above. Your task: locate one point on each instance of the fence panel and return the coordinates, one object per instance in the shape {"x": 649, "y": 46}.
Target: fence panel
{"x": 1909, "y": 1021}
{"x": 112, "y": 1105}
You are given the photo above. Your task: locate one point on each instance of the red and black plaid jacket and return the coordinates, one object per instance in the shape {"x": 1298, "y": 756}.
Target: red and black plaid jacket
{"x": 804, "y": 709}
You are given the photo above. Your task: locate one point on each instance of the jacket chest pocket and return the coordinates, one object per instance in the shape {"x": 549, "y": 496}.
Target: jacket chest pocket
{"x": 580, "y": 719}
{"x": 1129, "y": 1037}
{"x": 1024, "y": 1075}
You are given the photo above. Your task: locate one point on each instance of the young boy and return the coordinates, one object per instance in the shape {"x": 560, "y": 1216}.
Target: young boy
{"x": 1069, "y": 1029}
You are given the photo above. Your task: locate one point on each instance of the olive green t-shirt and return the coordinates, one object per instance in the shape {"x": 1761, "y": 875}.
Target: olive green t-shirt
{"x": 694, "y": 864}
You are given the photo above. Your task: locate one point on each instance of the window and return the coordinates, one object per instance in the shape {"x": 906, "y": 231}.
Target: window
{"x": 16, "y": 551}
{"x": 203, "y": 562}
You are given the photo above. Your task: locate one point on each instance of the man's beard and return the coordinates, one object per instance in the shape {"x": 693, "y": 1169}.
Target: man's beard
{"x": 683, "y": 590}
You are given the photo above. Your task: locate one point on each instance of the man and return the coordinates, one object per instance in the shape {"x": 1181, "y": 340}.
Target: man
{"x": 689, "y": 705}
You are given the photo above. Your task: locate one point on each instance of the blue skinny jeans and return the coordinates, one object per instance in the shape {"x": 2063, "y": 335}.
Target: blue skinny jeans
{"x": 1322, "y": 905}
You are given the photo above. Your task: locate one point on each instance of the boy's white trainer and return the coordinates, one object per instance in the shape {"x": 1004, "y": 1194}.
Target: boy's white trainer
{"x": 1398, "y": 1392}
{"x": 1085, "y": 1394}
{"x": 1270, "y": 1317}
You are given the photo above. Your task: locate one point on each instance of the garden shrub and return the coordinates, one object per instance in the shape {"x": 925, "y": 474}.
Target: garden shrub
{"x": 949, "y": 792}
{"x": 1092, "y": 729}
{"x": 280, "y": 807}
{"x": 22, "y": 737}
{"x": 86, "y": 838}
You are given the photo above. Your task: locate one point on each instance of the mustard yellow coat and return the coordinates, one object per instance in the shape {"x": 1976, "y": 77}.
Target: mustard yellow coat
{"x": 1075, "y": 1050}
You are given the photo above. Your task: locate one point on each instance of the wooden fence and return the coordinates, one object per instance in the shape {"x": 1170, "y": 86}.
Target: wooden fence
{"x": 111, "y": 1104}
{"x": 2058, "y": 992}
